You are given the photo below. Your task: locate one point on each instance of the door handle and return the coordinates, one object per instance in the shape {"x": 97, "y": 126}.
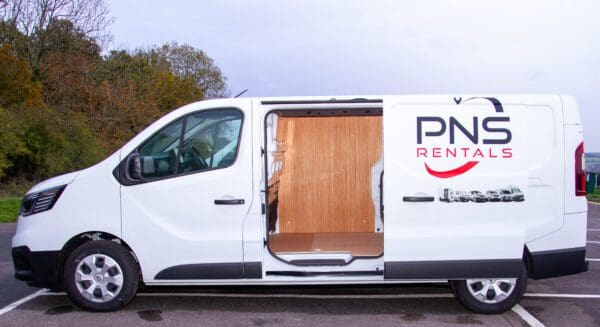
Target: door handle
{"x": 229, "y": 201}
{"x": 418, "y": 199}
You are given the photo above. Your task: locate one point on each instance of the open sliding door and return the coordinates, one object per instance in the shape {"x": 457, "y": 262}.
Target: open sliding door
{"x": 455, "y": 187}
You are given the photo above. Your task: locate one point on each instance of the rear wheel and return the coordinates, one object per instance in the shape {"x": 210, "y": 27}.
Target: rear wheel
{"x": 101, "y": 276}
{"x": 490, "y": 296}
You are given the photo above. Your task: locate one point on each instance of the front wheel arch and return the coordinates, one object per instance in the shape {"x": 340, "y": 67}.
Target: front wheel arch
{"x": 111, "y": 271}
{"x": 82, "y": 238}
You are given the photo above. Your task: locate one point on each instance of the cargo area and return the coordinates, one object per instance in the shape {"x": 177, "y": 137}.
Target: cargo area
{"x": 324, "y": 186}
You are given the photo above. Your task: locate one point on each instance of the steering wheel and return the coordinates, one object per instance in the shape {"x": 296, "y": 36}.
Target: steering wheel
{"x": 197, "y": 162}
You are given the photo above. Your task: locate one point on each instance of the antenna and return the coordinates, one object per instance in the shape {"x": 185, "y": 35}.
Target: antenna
{"x": 244, "y": 91}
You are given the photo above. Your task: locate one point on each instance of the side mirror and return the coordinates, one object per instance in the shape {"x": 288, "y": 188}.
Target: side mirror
{"x": 134, "y": 167}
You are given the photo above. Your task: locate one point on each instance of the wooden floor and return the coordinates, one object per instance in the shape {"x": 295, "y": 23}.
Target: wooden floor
{"x": 358, "y": 244}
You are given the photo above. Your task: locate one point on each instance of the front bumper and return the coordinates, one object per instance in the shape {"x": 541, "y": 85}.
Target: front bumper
{"x": 39, "y": 269}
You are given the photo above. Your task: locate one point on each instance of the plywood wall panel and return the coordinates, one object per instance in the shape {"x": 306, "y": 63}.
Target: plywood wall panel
{"x": 325, "y": 183}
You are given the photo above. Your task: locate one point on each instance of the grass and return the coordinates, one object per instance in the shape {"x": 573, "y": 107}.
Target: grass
{"x": 594, "y": 197}
{"x": 15, "y": 187}
{"x": 9, "y": 209}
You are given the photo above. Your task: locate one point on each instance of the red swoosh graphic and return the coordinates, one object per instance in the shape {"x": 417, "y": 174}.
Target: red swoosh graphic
{"x": 452, "y": 172}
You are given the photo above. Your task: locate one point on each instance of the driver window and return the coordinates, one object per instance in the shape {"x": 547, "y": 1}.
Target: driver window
{"x": 210, "y": 140}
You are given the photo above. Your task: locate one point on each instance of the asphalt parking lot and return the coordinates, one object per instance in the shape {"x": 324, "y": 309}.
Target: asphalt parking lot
{"x": 572, "y": 300}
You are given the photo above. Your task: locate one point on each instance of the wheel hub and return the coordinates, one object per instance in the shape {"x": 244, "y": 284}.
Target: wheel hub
{"x": 491, "y": 290}
{"x": 99, "y": 278}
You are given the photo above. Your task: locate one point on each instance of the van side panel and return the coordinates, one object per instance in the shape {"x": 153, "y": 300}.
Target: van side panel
{"x": 436, "y": 145}
{"x": 545, "y": 165}
{"x": 449, "y": 230}
{"x": 562, "y": 252}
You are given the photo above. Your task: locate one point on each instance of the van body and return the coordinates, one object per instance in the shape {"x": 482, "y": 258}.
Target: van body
{"x": 320, "y": 190}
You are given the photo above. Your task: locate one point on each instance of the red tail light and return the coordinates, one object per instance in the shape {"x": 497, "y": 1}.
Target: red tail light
{"x": 579, "y": 171}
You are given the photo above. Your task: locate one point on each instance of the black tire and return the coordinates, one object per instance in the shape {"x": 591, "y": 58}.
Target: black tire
{"x": 459, "y": 287}
{"x": 129, "y": 270}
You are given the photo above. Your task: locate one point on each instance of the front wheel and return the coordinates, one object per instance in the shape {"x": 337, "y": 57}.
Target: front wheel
{"x": 101, "y": 276}
{"x": 490, "y": 296}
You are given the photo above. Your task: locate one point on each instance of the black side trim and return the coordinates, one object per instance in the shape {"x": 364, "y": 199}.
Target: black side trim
{"x": 253, "y": 270}
{"x": 39, "y": 268}
{"x": 455, "y": 269}
{"x": 319, "y": 262}
{"x": 554, "y": 263}
{"x": 332, "y": 100}
{"x": 324, "y": 273}
{"x": 228, "y": 270}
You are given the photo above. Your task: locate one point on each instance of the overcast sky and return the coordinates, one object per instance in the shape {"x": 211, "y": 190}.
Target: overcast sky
{"x": 277, "y": 48}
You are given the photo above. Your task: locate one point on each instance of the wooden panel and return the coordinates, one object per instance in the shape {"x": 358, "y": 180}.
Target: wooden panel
{"x": 325, "y": 183}
{"x": 357, "y": 244}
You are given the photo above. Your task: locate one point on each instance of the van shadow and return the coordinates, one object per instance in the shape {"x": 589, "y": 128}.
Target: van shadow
{"x": 150, "y": 305}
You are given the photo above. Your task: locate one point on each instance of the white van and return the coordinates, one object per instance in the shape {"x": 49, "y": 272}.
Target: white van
{"x": 320, "y": 190}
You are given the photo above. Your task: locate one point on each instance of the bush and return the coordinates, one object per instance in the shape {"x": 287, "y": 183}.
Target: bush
{"x": 9, "y": 210}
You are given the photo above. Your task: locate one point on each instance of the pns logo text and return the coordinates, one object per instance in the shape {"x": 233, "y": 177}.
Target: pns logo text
{"x": 481, "y": 138}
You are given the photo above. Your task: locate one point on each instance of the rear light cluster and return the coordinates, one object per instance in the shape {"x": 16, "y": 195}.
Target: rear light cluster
{"x": 579, "y": 171}
{"x": 40, "y": 201}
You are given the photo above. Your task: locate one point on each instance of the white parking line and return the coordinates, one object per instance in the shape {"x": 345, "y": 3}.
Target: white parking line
{"x": 525, "y": 315}
{"x": 563, "y": 296}
{"x": 519, "y": 310}
{"x": 21, "y": 301}
{"x": 589, "y": 259}
{"x": 593, "y": 229}
{"x": 594, "y": 242}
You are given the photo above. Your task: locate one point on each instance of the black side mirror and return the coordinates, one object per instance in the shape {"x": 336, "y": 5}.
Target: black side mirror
{"x": 134, "y": 167}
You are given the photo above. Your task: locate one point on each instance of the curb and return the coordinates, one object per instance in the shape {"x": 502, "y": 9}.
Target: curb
{"x": 592, "y": 202}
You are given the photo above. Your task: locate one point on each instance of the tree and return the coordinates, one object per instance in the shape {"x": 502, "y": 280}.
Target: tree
{"x": 67, "y": 67}
{"x": 64, "y": 106}
{"x": 16, "y": 85}
{"x": 133, "y": 91}
{"x": 36, "y": 141}
{"x": 33, "y": 17}
{"x": 10, "y": 143}
{"x": 187, "y": 62}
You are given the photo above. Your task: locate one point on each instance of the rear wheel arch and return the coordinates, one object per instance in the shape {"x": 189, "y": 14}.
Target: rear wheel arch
{"x": 528, "y": 260}
{"x": 499, "y": 301}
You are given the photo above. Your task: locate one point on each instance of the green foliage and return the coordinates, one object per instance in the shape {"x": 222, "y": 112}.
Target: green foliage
{"x": 9, "y": 209}
{"x": 594, "y": 197}
{"x": 64, "y": 106}
{"x": 11, "y": 144}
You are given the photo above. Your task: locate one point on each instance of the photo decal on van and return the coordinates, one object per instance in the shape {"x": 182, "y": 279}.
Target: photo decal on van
{"x": 508, "y": 193}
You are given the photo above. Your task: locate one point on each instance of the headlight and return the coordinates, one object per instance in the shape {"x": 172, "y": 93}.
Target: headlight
{"x": 40, "y": 201}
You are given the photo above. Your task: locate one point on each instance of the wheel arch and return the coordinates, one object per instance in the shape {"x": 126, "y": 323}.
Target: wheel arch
{"x": 85, "y": 237}
{"x": 528, "y": 259}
